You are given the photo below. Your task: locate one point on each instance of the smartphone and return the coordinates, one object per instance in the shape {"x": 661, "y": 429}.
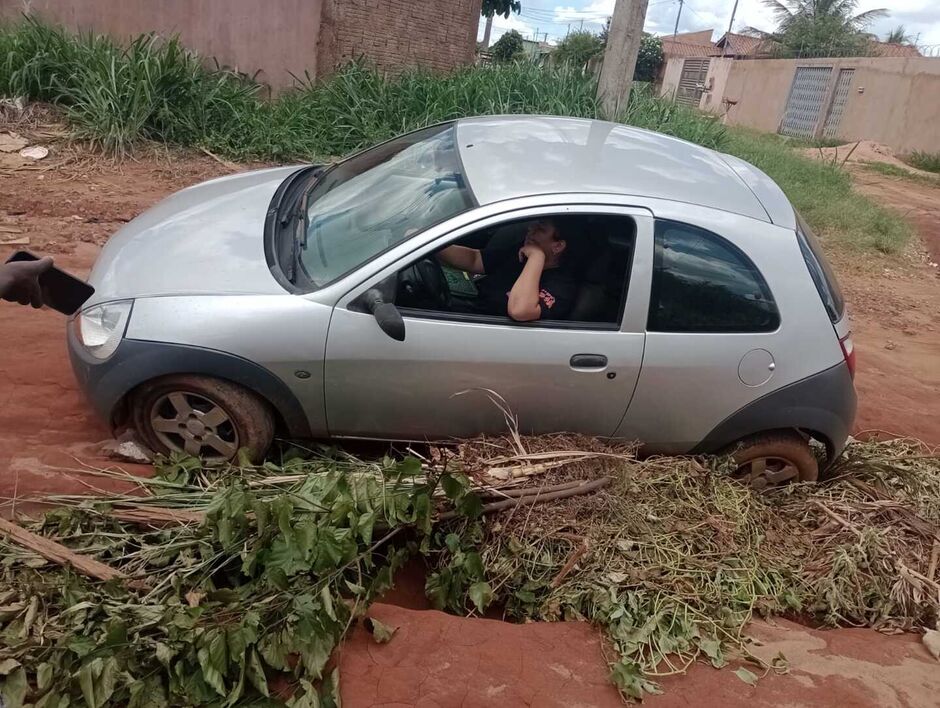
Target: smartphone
{"x": 60, "y": 290}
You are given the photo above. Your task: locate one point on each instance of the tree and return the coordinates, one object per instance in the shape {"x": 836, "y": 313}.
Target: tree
{"x": 509, "y": 47}
{"x": 820, "y": 28}
{"x": 649, "y": 58}
{"x": 899, "y": 35}
{"x": 500, "y": 7}
{"x": 496, "y": 7}
{"x": 578, "y": 48}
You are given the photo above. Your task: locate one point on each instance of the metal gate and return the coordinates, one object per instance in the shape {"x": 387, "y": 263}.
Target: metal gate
{"x": 692, "y": 82}
{"x": 805, "y": 103}
{"x": 839, "y": 98}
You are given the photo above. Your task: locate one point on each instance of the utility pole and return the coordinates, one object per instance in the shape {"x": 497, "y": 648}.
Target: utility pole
{"x": 623, "y": 44}
{"x": 675, "y": 31}
{"x": 486, "y": 32}
{"x": 734, "y": 11}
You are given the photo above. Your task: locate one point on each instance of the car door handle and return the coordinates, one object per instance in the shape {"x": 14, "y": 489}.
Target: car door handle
{"x": 588, "y": 361}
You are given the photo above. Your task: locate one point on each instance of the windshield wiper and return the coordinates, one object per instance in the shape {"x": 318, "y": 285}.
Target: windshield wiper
{"x": 293, "y": 212}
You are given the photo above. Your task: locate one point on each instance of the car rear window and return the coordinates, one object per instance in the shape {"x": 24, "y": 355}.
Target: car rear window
{"x": 703, "y": 283}
{"x": 820, "y": 271}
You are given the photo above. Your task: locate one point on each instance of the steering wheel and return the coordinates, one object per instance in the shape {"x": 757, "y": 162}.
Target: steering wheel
{"x": 423, "y": 285}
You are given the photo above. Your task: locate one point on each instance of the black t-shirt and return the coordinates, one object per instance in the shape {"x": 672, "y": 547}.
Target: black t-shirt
{"x": 557, "y": 287}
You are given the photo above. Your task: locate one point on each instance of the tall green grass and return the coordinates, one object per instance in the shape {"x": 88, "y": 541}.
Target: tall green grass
{"x": 929, "y": 161}
{"x": 153, "y": 89}
{"x": 823, "y": 194}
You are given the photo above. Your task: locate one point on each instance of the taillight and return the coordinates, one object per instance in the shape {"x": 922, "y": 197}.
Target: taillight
{"x": 848, "y": 351}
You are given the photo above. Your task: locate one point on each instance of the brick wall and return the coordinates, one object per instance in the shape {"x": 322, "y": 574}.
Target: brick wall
{"x": 437, "y": 34}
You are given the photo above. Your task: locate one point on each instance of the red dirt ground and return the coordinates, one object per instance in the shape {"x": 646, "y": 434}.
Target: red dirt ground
{"x": 70, "y": 205}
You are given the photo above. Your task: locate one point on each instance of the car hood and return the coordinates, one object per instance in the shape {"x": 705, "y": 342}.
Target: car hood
{"x": 205, "y": 239}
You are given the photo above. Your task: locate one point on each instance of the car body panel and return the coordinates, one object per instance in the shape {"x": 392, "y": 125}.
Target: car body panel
{"x": 284, "y": 334}
{"x": 206, "y": 239}
{"x": 108, "y": 385}
{"x": 771, "y": 197}
{"x": 823, "y": 403}
{"x": 436, "y": 383}
{"x": 514, "y": 156}
{"x": 690, "y": 381}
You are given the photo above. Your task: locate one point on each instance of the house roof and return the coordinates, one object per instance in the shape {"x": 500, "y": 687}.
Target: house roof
{"x": 672, "y": 48}
{"x": 505, "y": 157}
{"x": 700, "y": 37}
{"x": 740, "y": 45}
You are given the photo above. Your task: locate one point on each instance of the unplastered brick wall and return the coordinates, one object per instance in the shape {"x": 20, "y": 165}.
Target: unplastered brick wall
{"x": 394, "y": 34}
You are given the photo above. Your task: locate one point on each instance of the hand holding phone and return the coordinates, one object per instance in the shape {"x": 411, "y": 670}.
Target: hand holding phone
{"x": 30, "y": 280}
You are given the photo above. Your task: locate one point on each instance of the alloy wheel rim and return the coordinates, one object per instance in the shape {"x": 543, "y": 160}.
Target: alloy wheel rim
{"x": 195, "y": 424}
{"x": 765, "y": 472}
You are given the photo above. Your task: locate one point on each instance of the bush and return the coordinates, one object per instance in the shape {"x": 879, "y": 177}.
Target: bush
{"x": 649, "y": 58}
{"x": 929, "y": 161}
{"x": 578, "y": 48}
{"x": 509, "y": 47}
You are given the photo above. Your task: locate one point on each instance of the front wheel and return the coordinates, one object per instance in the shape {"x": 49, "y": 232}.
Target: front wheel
{"x": 774, "y": 459}
{"x": 203, "y": 417}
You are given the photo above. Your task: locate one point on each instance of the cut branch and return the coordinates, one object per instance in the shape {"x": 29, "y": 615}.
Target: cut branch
{"x": 57, "y": 553}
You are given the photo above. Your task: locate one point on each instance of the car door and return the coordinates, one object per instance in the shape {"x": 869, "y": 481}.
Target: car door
{"x": 454, "y": 375}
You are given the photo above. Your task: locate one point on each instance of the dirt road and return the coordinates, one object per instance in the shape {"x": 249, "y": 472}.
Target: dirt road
{"x": 69, "y": 210}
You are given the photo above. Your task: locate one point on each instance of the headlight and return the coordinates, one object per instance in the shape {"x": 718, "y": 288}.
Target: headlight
{"x": 101, "y": 328}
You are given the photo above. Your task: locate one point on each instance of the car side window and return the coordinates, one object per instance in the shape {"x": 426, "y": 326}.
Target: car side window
{"x": 470, "y": 279}
{"x": 703, "y": 283}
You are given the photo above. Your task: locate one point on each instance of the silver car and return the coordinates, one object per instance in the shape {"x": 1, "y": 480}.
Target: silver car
{"x": 312, "y": 302}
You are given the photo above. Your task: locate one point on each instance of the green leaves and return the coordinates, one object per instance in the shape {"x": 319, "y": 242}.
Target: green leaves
{"x": 381, "y": 632}
{"x": 749, "y": 677}
{"x": 97, "y": 680}
{"x": 13, "y": 686}
{"x": 481, "y": 594}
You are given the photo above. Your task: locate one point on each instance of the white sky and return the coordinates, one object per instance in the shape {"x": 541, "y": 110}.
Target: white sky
{"x": 920, "y": 17}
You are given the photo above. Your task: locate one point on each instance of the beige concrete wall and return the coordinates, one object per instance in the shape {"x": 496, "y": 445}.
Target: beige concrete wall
{"x": 715, "y": 82}
{"x": 671, "y": 75}
{"x": 895, "y": 101}
{"x": 273, "y": 37}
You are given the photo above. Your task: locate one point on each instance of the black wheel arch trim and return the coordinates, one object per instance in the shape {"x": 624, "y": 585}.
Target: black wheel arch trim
{"x": 822, "y": 404}
{"x": 136, "y": 361}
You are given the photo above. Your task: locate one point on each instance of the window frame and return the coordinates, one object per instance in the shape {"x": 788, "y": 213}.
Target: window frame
{"x": 505, "y": 320}
{"x": 656, "y": 279}
{"x": 634, "y": 311}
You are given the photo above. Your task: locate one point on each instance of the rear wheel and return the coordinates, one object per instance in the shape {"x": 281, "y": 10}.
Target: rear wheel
{"x": 203, "y": 417}
{"x": 774, "y": 459}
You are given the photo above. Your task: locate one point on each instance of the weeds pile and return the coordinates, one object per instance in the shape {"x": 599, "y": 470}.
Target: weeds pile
{"x": 674, "y": 558}
{"x": 240, "y": 582}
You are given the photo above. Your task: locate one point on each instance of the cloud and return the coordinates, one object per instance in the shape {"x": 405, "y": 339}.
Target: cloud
{"x": 501, "y": 25}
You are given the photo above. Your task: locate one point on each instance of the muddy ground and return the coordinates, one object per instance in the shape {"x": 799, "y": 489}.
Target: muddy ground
{"x": 68, "y": 205}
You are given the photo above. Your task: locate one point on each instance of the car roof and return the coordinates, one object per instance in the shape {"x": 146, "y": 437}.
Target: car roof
{"x": 516, "y": 156}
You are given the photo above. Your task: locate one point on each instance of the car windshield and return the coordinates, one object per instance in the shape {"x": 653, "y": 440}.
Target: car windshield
{"x": 376, "y": 199}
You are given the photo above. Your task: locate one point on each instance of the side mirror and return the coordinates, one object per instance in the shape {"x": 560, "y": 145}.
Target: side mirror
{"x": 386, "y": 314}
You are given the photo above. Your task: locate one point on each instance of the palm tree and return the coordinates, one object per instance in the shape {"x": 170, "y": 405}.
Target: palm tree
{"x": 899, "y": 35}
{"x": 788, "y": 12}
{"x": 819, "y": 28}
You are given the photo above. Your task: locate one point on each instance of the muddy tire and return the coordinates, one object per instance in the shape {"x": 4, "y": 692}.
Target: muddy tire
{"x": 202, "y": 416}
{"x": 774, "y": 459}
